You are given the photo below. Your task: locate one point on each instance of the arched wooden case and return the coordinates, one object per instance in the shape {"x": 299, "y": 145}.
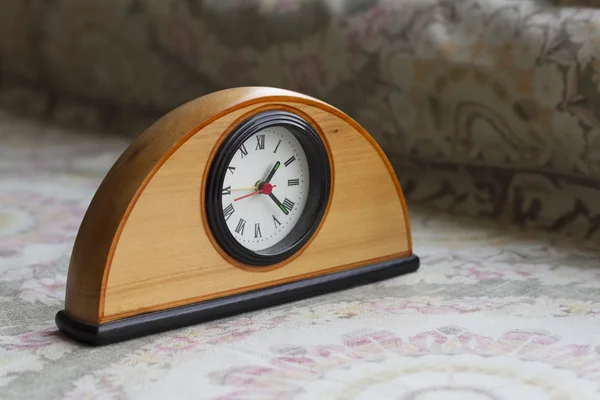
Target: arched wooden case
{"x": 145, "y": 260}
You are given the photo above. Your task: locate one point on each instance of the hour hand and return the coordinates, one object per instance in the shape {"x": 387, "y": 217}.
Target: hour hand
{"x": 273, "y": 170}
{"x": 281, "y": 206}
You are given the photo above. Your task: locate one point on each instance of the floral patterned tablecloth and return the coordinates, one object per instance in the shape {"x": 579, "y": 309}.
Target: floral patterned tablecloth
{"x": 493, "y": 313}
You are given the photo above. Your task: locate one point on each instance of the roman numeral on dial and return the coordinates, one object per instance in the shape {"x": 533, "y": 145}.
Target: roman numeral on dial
{"x": 288, "y": 204}
{"x": 260, "y": 145}
{"x": 240, "y": 226}
{"x": 293, "y": 182}
{"x": 257, "y": 233}
{"x": 228, "y": 211}
{"x": 276, "y": 147}
{"x": 226, "y": 191}
{"x": 276, "y": 222}
{"x": 243, "y": 151}
{"x": 288, "y": 162}
{"x": 231, "y": 169}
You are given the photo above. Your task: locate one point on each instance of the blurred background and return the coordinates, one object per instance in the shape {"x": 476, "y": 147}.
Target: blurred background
{"x": 485, "y": 107}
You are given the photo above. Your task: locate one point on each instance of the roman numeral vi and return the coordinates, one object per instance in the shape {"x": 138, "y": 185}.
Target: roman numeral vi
{"x": 257, "y": 233}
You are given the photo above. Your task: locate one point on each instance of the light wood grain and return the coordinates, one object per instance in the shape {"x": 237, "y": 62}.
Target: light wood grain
{"x": 144, "y": 244}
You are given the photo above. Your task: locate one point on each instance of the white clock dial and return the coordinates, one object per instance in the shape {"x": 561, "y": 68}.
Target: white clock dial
{"x": 259, "y": 214}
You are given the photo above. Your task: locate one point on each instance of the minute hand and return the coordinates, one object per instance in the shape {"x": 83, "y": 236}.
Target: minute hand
{"x": 273, "y": 170}
{"x": 281, "y": 206}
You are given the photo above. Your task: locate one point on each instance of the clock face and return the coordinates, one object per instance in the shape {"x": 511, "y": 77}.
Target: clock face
{"x": 268, "y": 188}
{"x": 265, "y": 188}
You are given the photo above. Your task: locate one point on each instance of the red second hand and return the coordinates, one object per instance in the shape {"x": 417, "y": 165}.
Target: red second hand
{"x": 257, "y": 192}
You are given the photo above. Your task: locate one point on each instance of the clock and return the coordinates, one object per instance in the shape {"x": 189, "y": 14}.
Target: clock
{"x": 241, "y": 199}
{"x": 268, "y": 188}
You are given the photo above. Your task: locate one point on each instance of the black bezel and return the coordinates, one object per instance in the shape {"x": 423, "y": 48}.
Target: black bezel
{"x": 317, "y": 198}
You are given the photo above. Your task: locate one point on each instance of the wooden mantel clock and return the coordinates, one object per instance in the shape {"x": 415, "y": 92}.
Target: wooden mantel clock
{"x": 239, "y": 200}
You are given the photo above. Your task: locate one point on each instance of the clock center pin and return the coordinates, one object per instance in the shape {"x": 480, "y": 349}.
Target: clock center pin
{"x": 265, "y": 188}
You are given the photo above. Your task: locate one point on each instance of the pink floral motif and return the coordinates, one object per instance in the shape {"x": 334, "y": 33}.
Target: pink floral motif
{"x": 308, "y": 71}
{"x": 526, "y": 342}
{"x": 290, "y": 368}
{"x": 182, "y": 33}
{"x": 450, "y": 339}
{"x": 366, "y": 32}
{"x": 176, "y": 344}
{"x": 92, "y": 388}
{"x": 30, "y": 217}
{"x": 370, "y": 29}
{"x": 46, "y": 290}
{"x": 573, "y": 350}
{"x": 30, "y": 341}
{"x": 439, "y": 306}
{"x": 483, "y": 275}
{"x": 29, "y": 352}
{"x": 367, "y": 343}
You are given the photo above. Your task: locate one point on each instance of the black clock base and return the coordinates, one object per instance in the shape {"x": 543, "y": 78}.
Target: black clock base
{"x": 160, "y": 321}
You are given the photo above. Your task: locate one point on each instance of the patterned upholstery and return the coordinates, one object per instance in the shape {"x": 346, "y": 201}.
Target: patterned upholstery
{"x": 487, "y": 107}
